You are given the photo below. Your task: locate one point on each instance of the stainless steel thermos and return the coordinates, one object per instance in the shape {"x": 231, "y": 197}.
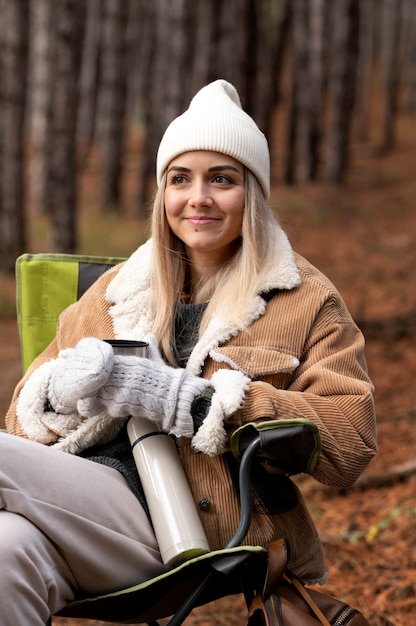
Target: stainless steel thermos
{"x": 176, "y": 523}
{"x": 178, "y": 528}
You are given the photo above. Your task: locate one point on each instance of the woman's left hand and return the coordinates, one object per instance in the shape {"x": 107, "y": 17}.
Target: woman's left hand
{"x": 148, "y": 387}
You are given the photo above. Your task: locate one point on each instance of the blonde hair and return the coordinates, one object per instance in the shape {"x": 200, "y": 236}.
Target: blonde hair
{"x": 228, "y": 290}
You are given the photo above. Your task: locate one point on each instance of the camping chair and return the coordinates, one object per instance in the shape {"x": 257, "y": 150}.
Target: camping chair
{"x": 46, "y": 284}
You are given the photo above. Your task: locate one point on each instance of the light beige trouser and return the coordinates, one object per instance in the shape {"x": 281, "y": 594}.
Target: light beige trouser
{"x": 66, "y": 524}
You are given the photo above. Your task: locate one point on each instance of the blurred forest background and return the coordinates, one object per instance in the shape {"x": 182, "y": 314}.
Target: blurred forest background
{"x": 81, "y": 79}
{"x": 87, "y": 88}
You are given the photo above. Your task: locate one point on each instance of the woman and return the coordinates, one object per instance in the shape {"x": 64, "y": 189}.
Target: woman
{"x": 239, "y": 318}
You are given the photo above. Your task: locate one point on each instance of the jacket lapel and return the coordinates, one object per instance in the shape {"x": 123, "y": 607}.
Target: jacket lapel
{"x": 131, "y": 303}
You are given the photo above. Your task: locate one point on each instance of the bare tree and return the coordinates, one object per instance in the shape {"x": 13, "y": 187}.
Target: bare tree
{"x": 408, "y": 19}
{"x": 205, "y": 44}
{"x": 391, "y": 73}
{"x": 365, "y": 67}
{"x": 299, "y": 53}
{"x": 140, "y": 50}
{"x": 313, "y": 131}
{"x": 63, "y": 193}
{"x": 342, "y": 84}
{"x": 40, "y": 87}
{"x": 220, "y": 47}
{"x": 268, "y": 29}
{"x": 112, "y": 99}
{"x": 89, "y": 75}
{"x": 14, "y": 35}
{"x": 168, "y": 85}
{"x": 306, "y": 93}
{"x": 230, "y": 36}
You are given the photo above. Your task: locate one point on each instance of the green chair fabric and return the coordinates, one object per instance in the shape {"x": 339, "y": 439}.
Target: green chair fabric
{"x": 45, "y": 285}
{"x": 160, "y": 597}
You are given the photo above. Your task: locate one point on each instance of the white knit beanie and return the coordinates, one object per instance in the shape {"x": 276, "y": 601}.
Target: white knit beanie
{"x": 215, "y": 121}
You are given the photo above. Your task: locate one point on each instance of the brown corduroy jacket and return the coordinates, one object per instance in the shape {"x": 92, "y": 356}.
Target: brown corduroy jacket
{"x": 304, "y": 357}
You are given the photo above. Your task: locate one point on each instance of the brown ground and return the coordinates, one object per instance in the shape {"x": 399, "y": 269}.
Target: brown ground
{"x": 364, "y": 238}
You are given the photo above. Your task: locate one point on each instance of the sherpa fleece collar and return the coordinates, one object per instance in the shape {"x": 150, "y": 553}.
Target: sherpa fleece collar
{"x": 131, "y": 300}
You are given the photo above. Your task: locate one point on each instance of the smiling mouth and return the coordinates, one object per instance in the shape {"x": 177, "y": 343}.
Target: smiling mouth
{"x": 200, "y": 221}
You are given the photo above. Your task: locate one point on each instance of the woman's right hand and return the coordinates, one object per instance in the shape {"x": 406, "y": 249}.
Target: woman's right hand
{"x": 80, "y": 374}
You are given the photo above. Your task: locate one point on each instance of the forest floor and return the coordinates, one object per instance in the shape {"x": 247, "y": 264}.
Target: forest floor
{"x": 363, "y": 236}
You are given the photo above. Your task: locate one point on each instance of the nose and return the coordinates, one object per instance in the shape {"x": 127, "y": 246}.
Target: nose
{"x": 200, "y": 196}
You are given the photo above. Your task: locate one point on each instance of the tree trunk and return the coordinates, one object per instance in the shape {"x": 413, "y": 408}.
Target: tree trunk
{"x": 63, "y": 192}
{"x": 344, "y": 56}
{"x": 365, "y": 68}
{"x": 112, "y": 100}
{"x": 89, "y": 75}
{"x": 204, "y": 54}
{"x": 140, "y": 50}
{"x": 267, "y": 34}
{"x": 391, "y": 67}
{"x": 230, "y": 42}
{"x": 299, "y": 39}
{"x": 409, "y": 54}
{"x": 40, "y": 94}
{"x": 302, "y": 51}
{"x": 168, "y": 85}
{"x": 317, "y": 22}
{"x": 14, "y": 32}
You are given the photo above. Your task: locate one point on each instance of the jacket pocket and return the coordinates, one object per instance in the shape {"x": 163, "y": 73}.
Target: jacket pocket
{"x": 256, "y": 362}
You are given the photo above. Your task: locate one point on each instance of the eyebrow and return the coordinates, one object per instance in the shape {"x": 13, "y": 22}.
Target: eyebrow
{"x": 215, "y": 168}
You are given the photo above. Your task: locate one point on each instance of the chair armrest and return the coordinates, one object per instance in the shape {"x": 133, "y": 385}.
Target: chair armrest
{"x": 293, "y": 445}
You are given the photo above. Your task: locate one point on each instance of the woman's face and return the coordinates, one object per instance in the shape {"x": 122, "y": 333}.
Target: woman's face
{"x": 204, "y": 204}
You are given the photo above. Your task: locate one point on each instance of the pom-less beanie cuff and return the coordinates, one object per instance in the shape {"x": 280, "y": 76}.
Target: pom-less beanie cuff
{"x": 215, "y": 121}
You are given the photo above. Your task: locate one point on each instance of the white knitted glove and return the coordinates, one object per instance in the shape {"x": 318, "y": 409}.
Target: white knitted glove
{"x": 80, "y": 373}
{"x": 147, "y": 387}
